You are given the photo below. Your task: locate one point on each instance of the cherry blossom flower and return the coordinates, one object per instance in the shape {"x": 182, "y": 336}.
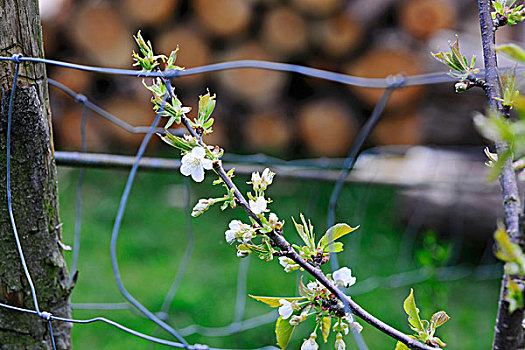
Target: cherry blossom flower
{"x": 310, "y": 344}
{"x": 266, "y": 178}
{"x": 259, "y": 205}
{"x": 256, "y": 180}
{"x": 286, "y": 308}
{"x": 339, "y": 342}
{"x": 343, "y": 277}
{"x": 194, "y": 163}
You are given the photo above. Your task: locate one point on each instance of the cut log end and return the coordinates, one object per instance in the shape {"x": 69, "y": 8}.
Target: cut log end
{"x": 327, "y": 127}
{"x": 268, "y": 131}
{"x": 422, "y": 18}
{"x": 284, "y": 32}
{"x": 380, "y": 64}
{"x": 223, "y": 18}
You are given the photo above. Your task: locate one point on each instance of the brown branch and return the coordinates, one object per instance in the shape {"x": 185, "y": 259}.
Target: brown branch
{"x": 508, "y": 330}
{"x": 286, "y": 249}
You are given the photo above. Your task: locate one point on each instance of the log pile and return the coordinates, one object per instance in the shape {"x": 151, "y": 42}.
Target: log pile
{"x": 261, "y": 111}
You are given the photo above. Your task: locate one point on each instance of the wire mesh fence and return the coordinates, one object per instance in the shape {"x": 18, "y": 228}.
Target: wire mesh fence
{"x": 292, "y": 169}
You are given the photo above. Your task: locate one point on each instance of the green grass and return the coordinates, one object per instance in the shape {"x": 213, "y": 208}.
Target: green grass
{"x": 153, "y": 239}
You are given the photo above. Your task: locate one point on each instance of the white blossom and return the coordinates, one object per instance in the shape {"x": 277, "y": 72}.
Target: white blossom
{"x": 343, "y": 277}
{"x": 295, "y": 320}
{"x": 272, "y": 218}
{"x": 266, "y": 178}
{"x": 286, "y": 308}
{"x": 236, "y": 230}
{"x": 256, "y": 180}
{"x": 247, "y": 236}
{"x": 339, "y": 342}
{"x": 310, "y": 344}
{"x": 259, "y": 205}
{"x": 194, "y": 163}
{"x": 201, "y": 207}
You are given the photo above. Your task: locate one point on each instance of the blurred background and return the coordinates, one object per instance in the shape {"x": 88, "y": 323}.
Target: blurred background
{"x": 419, "y": 190}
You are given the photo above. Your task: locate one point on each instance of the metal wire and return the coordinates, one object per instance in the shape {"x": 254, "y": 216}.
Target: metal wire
{"x": 237, "y": 325}
{"x": 423, "y": 79}
{"x": 9, "y": 199}
{"x": 116, "y": 230}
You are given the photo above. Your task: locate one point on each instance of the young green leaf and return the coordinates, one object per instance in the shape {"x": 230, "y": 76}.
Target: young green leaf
{"x": 413, "y": 313}
{"x": 301, "y": 231}
{"x": 335, "y": 232}
{"x": 274, "y": 301}
{"x": 438, "y": 319}
{"x": 283, "y": 331}
{"x": 512, "y": 51}
{"x": 335, "y": 247}
{"x": 401, "y": 346}
{"x": 325, "y": 327}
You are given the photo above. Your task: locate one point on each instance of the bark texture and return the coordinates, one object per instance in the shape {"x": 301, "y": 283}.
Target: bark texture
{"x": 508, "y": 332}
{"x": 34, "y": 191}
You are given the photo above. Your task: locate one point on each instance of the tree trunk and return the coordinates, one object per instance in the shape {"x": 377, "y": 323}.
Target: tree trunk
{"x": 34, "y": 191}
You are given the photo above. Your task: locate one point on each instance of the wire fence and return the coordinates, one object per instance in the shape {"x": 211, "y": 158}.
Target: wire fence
{"x": 239, "y": 323}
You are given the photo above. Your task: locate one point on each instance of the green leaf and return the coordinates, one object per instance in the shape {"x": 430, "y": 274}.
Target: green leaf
{"x": 274, "y": 301}
{"x": 401, "y": 346}
{"x": 325, "y": 327}
{"x": 438, "y": 319}
{"x": 335, "y": 232}
{"x": 413, "y": 313}
{"x": 303, "y": 291}
{"x": 512, "y": 51}
{"x": 283, "y": 331}
{"x": 335, "y": 247}
{"x": 301, "y": 232}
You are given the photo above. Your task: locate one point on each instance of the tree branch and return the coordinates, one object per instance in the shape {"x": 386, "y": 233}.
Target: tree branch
{"x": 508, "y": 330}
{"x": 287, "y": 250}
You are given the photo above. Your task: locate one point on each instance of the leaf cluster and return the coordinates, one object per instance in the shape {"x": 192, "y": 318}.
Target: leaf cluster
{"x": 460, "y": 68}
{"x": 424, "y": 329}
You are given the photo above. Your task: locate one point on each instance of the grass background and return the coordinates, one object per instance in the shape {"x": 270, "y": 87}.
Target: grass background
{"x": 153, "y": 239}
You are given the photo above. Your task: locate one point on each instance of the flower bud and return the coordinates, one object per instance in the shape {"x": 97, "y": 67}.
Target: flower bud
{"x": 201, "y": 207}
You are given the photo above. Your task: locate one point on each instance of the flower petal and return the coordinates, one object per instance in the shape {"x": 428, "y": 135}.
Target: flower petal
{"x": 186, "y": 168}
{"x": 198, "y": 152}
{"x": 198, "y": 174}
{"x": 207, "y": 164}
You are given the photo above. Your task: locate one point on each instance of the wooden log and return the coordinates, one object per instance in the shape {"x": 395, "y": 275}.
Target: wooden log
{"x": 284, "y": 32}
{"x": 327, "y": 127}
{"x": 34, "y": 189}
{"x": 422, "y": 18}
{"x": 404, "y": 128}
{"x": 381, "y": 63}
{"x": 223, "y": 18}
{"x": 268, "y": 130}
{"x": 194, "y": 50}
{"x": 255, "y": 86}
{"x": 67, "y": 131}
{"x": 144, "y": 12}
{"x": 101, "y": 35}
{"x": 336, "y": 36}
{"x": 318, "y": 8}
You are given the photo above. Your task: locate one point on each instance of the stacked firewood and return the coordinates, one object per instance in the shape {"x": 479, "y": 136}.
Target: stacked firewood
{"x": 259, "y": 110}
